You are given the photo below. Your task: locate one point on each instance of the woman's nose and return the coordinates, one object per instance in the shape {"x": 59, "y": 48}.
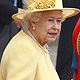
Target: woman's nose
{"x": 55, "y": 25}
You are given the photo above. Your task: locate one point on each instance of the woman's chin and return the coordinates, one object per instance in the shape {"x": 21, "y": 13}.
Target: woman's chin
{"x": 52, "y": 40}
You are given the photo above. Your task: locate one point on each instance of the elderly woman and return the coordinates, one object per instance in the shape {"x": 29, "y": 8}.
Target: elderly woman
{"x": 26, "y": 57}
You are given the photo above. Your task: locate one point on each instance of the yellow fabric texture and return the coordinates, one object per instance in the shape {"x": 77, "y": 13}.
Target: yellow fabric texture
{"x": 24, "y": 59}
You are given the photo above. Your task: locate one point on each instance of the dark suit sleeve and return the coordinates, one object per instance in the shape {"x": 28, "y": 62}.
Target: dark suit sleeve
{"x": 7, "y": 9}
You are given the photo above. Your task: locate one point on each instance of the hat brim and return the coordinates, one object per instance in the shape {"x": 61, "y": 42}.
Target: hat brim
{"x": 67, "y": 12}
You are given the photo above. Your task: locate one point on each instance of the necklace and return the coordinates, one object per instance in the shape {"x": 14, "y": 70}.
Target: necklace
{"x": 44, "y": 47}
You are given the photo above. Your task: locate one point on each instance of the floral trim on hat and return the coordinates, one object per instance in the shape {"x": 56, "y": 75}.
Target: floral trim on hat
{"x": 43, "y": 4}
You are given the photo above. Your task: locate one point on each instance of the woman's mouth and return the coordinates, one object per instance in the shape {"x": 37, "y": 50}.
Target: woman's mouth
{"x": 53, "y": 35}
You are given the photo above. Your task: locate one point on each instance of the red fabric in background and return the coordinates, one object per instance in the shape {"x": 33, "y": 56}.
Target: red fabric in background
{"x": 74, "y": 40}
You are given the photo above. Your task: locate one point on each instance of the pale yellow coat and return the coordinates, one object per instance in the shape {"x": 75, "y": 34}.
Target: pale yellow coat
{"x": 24, "y": 59}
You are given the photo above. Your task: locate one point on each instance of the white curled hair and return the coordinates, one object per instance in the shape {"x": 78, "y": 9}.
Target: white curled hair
{"x": 34, "y": 16}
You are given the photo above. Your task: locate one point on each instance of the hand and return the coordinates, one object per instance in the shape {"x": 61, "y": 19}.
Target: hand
{"x": 18, "y": 23}
{"x": 21, "y": 10}
{"x": 75, "y": 75}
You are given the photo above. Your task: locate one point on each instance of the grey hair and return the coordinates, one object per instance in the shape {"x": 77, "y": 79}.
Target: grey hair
{"x": 63, "y": 18}
{"x": 35, "y": 16}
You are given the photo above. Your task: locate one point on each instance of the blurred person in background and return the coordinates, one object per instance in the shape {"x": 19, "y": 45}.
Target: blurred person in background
{"x": 8, "y": 26}
{"x": 76, "y": 53}
{"x": 65, "y": 48}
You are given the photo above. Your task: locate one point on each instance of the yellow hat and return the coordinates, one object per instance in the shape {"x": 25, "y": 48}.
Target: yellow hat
{"x": 45, "y": 5}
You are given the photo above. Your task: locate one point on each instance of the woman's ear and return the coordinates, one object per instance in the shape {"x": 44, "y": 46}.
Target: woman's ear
{"x": 33, "y": 23}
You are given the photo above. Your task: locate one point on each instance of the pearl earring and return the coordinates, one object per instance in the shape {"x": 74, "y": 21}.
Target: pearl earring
{"x": 34, "y": 28}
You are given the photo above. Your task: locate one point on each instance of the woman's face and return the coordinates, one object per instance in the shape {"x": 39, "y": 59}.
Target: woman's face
{"x": 48, "y": 27}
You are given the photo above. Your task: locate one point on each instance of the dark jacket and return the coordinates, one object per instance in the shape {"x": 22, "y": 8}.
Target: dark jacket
{"x": 65, "y": 48}
{"x": 7, "y": 9}
{"x": 7, "y": 30}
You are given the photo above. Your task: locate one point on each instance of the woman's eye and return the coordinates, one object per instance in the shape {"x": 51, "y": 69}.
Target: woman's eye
{"x": 59, "y": 21}
{"x": 50, "y": 20}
